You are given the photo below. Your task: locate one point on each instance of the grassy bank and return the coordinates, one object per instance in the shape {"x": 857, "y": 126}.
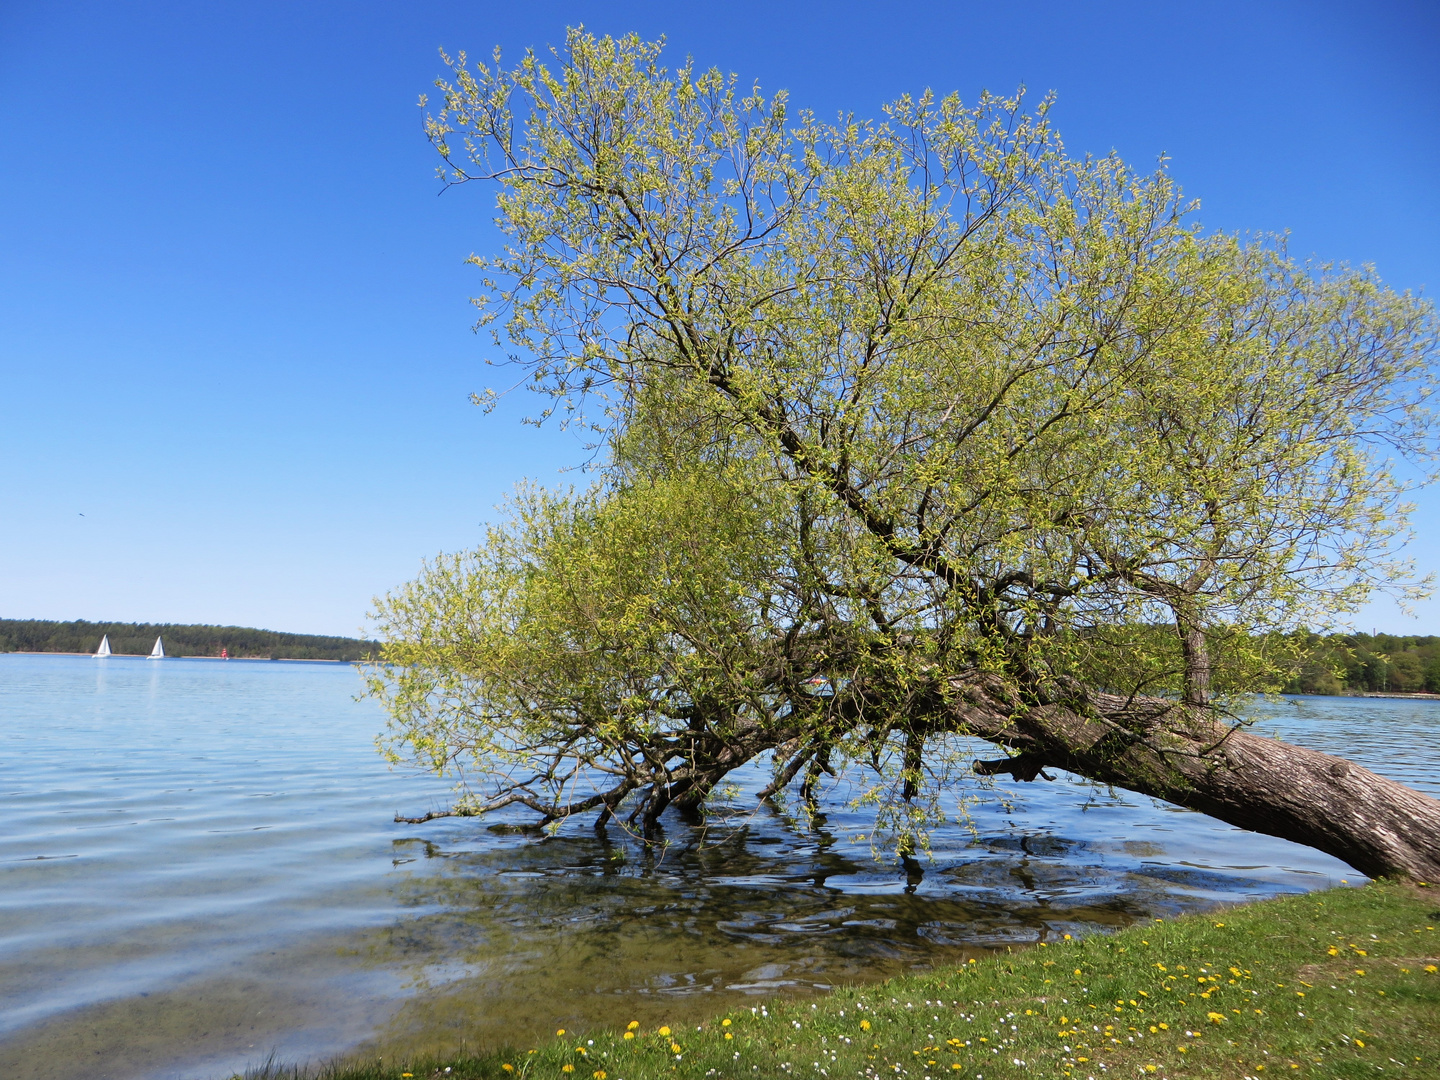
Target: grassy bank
{"x": 1341, "y": 983}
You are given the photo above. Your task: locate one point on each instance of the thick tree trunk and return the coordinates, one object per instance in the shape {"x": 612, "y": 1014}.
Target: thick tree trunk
{"x": 1182, "y": 754}
{"x": 1172, "y": 750}
{"x": 1196, "y": 653}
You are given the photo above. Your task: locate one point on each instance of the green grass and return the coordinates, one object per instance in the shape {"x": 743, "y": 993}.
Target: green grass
{"x": 1341, "y": 983}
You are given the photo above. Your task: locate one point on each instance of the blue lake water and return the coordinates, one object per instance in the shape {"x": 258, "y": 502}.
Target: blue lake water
{"x": 200, "y": 868}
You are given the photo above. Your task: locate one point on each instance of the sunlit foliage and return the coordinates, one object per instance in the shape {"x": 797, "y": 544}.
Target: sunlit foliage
{"x": 878, "y": 407}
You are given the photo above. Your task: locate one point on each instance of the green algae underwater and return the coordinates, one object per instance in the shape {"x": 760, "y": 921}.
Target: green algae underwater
{"x": 1339, "y": 983}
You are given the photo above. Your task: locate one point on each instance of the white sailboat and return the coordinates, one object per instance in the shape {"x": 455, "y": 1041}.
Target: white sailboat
{"x": 104, "y": 649}
{"x": 158, "y": 652}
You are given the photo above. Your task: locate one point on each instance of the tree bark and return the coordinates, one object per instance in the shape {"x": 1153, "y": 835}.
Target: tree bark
{"x": 1182, "y": 754}
{"x": 1195, "y": 651}
{"x": 1177, "y": 751}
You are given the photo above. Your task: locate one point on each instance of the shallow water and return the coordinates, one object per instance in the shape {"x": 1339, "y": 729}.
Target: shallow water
{"x": 201, "y": 869}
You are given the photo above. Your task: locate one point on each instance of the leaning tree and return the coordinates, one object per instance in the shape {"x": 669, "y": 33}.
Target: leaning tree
{"x": 903, "y": 431}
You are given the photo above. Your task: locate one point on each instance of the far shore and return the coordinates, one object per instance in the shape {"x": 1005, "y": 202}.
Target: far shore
{"x": 146, "y": 656}
{"x": 1384, "y": 694}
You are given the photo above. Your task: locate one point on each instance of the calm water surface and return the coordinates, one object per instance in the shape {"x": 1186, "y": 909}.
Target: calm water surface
{"x": 200, "y": 868}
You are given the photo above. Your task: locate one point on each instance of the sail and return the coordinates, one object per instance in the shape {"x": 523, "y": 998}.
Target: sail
{"x": 104, "y": 649}
{"x": 158, "y": 652}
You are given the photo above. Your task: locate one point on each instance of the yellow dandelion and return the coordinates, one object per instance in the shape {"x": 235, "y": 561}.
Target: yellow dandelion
{"x": 628, "y": 1035}
{"x": 728, "y": 1035}
{"x": 508, "y": 1067}
{"x": 1164, "y": 1027}
{"x": 675, "y": 1048}
{"x": 1077, "y": 971}
{"x": 1359, "y": 971}
{"x": 567, "y": 1068}
{"x": 1430, "y": 969}
{"x": 725, "y": 1022}
{"x": 560, "y": 1032}
{"x": 599, "y": 1074}
{"x": 664, "y": 1031}
{"x": 864, "y": 1025}
{"x": 1149, "y": 1068}
{"x": 1215, "y": 1018}
{"x": 632, "y": 1025}
{"x": 1360, "y": 1043}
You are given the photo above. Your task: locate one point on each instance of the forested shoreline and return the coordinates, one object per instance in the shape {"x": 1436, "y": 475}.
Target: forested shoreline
{"x": 1335, "y": 664}
{"x": 1366, "y": 663}
{"x": 241, "y": 642}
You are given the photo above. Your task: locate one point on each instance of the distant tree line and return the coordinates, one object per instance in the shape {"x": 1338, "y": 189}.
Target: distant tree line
{"x": 1355, "y": 663}
{"x": 80, "y": 636}
{"x": 1293, "y": 662}
{"x": 1331, "y": 664}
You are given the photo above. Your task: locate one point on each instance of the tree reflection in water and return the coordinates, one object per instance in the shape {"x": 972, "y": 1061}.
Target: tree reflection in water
{"x": 514, "y": 935}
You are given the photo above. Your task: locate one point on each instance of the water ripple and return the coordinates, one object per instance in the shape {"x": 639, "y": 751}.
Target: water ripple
{"x": 204, "y": 853}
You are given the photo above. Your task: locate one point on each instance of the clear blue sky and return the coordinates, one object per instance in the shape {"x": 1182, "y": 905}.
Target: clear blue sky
{"x": 234, "y": 339}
